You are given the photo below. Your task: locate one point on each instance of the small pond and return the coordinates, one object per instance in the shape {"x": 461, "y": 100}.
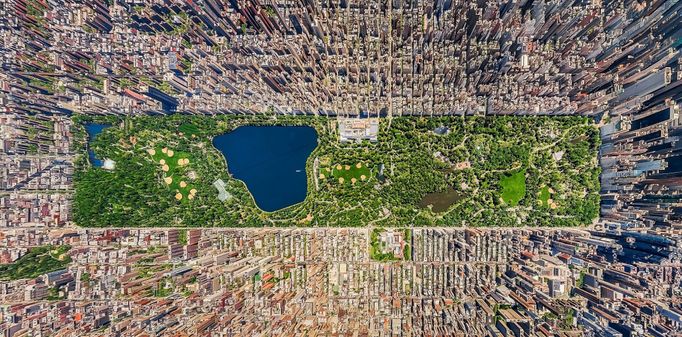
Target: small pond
{"x": 441, "y": 201}
{"x": 93, "y": 130}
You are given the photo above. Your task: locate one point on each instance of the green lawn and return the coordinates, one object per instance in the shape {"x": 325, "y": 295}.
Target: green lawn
{"x": 513, "y": 187}
{"x": 349, "y": 172}
{"x": 544, "y": 196}
{"x": 189, "y": 129}
{"x": 178, "y": 164}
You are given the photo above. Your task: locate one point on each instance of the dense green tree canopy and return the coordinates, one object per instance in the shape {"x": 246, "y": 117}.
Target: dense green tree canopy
{"x": 555, "y": 155}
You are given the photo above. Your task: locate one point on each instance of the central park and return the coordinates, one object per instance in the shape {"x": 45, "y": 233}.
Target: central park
{"x": 255, "y": 171}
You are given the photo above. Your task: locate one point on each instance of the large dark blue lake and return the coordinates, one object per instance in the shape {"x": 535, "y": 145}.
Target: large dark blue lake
{"x": 93, "y": 130}
{"x": 270, "y": 160}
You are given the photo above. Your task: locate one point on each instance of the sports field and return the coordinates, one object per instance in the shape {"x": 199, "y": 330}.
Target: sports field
{"x": 346, "y": 173}
{"x": 175, "y": 167}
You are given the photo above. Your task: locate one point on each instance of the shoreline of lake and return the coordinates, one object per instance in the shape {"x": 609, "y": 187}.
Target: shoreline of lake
{"x": 271, "y": 161}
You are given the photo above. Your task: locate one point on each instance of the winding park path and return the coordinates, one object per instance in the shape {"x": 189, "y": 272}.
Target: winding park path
{"x": 408, "y": 153}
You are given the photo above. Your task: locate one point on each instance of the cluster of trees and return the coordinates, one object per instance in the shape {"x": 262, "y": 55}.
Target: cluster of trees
{"x": 416, "y": 161}
{"x": 376, "y": 247}
{"x": 494, "y": 147}
{"x": 38, "y": 261}
{"x": 133, "y": 194}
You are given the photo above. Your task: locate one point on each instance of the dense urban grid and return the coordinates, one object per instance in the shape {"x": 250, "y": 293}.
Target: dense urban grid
{"x": 617, "y": 63}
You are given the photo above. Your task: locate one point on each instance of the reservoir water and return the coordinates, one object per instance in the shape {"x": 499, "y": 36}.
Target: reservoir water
{"x": 270, "y": 160}
{"x": 93, "y": 130}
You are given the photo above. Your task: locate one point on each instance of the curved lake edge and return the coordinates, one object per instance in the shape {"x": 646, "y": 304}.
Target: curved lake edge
{"x": 253, "y": 199}
{"x": 307, "y": 167}
{"x": 93, "y": 130}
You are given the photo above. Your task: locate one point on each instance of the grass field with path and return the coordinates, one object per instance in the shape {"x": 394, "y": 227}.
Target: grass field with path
{"x": 348, "y": 173}
{"x": 513, "y": 187}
